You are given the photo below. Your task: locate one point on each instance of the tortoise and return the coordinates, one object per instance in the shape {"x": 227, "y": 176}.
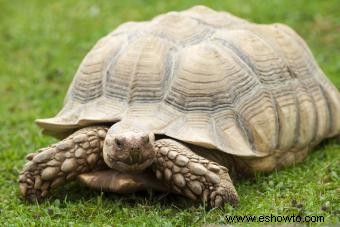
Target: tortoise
{"x": 185, "y": 103}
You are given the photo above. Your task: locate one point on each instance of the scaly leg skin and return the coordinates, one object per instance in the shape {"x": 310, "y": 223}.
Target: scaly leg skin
{"x": 52, "y": 166}
{"x": 193, "y": 176}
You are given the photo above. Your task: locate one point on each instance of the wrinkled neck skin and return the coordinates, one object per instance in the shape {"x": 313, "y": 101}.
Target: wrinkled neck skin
{"x": 129, "y": 147}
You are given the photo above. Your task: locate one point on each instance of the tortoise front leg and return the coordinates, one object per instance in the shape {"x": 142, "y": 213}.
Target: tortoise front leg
{"x": 193, "y": 176}
{"x": 52, "y": 166}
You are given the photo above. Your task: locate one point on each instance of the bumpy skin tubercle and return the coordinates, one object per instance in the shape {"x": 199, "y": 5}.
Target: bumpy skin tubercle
{"x": 52, "y": 166}
{"x": 193, "y": 176}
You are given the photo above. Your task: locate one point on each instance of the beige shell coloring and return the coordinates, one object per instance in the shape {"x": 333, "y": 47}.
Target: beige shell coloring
{"x": 207, "y": 78}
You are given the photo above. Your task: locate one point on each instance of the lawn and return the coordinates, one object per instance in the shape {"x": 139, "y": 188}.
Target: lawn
{"x": 42, "y": 44}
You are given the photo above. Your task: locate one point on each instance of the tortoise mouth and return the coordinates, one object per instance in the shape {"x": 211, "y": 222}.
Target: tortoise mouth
{"x": 128, "y": 168}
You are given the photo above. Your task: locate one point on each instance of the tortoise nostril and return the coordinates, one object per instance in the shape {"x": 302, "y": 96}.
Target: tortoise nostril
{"x": 119, "y": 142}
{"x": 135, "y": 153}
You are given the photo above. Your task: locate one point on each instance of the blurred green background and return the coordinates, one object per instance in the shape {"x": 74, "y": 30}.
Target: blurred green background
{"x": 41, "y": 46}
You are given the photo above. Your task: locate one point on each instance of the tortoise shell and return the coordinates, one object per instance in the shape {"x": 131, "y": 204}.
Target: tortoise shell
{"x": 207, "y": 78}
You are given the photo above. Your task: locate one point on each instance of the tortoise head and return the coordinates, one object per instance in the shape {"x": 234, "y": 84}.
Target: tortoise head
{"x": 128, "y": 150}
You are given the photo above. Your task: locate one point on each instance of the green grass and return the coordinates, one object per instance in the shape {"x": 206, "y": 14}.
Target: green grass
{"x": 42, "y": 44}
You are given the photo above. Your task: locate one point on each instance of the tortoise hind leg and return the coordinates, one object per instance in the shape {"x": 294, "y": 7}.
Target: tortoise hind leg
{"x": 61, "y": 162}
{"x": 114, "y": 181}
